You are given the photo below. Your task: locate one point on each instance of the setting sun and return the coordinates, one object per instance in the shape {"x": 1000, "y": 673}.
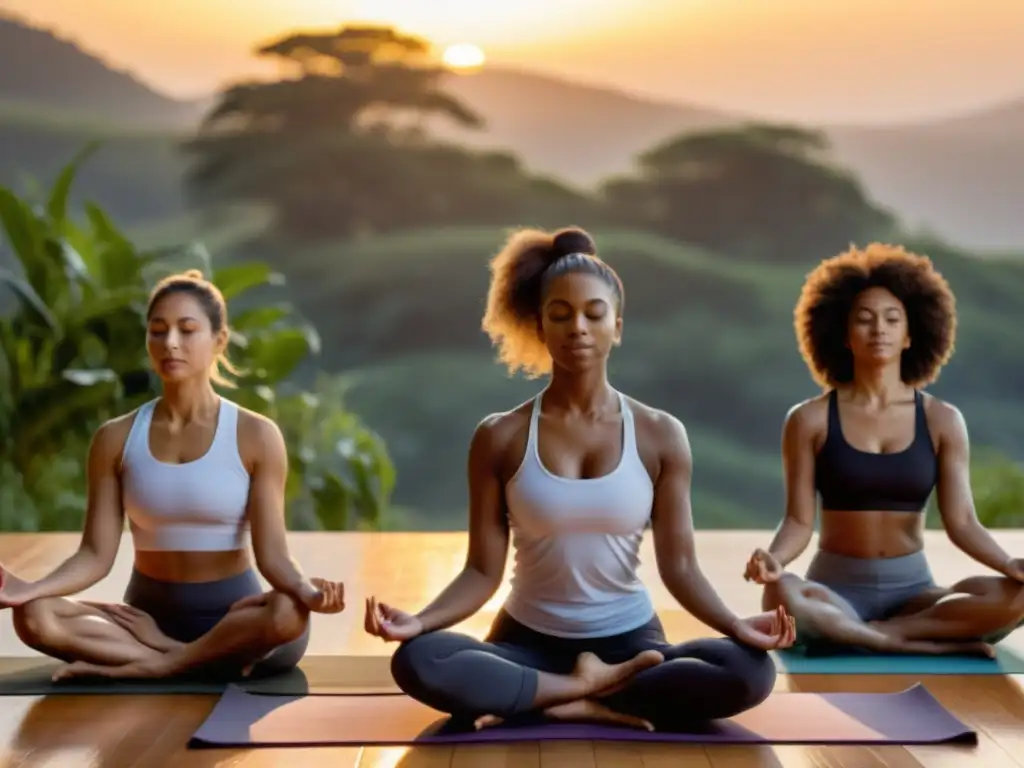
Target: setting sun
{"x": 463, "y": 56}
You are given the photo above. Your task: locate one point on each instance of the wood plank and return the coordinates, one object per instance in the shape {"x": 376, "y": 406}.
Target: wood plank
{"x": 409, "y": 569}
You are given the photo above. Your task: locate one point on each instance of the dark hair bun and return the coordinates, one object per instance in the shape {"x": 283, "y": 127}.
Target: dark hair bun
{"x": 572, "y": 240}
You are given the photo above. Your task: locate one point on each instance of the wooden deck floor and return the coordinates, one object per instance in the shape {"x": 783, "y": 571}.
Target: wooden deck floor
{"x": 407, "y": 570}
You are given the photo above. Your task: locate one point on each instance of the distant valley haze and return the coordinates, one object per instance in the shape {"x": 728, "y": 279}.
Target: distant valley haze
{"x": 592, "y": 111}
{"x": 950, "y": 161}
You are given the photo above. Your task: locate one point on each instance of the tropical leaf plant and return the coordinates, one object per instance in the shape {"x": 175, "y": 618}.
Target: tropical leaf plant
{"x": 73, "y": 354}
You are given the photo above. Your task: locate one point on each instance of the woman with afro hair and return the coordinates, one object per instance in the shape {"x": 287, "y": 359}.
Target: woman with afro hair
{"x": 572, "y": 478}
{"x": 875, "y": 326}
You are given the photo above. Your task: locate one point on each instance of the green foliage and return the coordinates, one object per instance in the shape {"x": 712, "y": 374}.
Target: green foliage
{"x": 712, "y": 235}
{"x": 758, "y": 191}
{"x": 73, "y": 354}
{"x": 342, "y": 475}
{"x": 708, "y": 338}
{"x": 455, "y": 390}
{"x": 997, "y": 484}
{"x": 336, "y": 149}
{"x": 65, "y": 353}
{"x": 135, "y": 176}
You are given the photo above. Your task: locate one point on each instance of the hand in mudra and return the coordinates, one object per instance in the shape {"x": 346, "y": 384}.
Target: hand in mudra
{"x": 769, "y": 631}
{"x": 762, "y": 568}
{"x": 389, "y": 623}
{"x": 329, "y": 596}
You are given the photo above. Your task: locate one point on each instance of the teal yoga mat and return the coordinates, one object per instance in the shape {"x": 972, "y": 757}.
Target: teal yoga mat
{"x": 1007, "y": 662}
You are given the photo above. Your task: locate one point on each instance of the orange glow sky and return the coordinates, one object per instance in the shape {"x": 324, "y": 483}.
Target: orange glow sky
{"x": 849, "y": 60}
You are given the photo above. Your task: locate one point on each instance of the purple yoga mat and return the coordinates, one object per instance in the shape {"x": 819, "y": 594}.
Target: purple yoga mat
{"x": 242, "y": 719}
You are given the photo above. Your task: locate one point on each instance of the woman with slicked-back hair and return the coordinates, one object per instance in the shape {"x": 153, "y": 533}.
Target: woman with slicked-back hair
{"x": 573, "y": 477}
{"x": 193, "y": 473}
{"x": 875, "y": 326}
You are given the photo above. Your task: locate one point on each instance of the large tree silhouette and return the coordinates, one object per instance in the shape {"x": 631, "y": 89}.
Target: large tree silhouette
{"x": 327, "y": 145}
{"x": 758, "y": 190}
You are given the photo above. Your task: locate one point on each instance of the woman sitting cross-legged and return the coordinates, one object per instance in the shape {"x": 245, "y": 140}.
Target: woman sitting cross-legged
{"x": 573, "y": 477}
{"x": 876, "y": 326}
{"x": 193, "y": 472}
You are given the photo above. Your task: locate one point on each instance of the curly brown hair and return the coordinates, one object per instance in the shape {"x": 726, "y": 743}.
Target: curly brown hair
{"x": 520, "y": 273}
{"x": 822, "y": 312}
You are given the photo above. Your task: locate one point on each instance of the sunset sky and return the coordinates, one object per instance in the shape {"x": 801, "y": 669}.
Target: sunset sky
{"x": 827, "y": 60}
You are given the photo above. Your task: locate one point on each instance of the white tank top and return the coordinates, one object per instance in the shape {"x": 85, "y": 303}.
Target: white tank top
{"x": 199, "y": 506}
{"x": 577, "y": 543}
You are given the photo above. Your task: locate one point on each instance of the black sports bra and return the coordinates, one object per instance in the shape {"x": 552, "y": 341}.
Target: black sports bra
{"x": 851, "y": 480}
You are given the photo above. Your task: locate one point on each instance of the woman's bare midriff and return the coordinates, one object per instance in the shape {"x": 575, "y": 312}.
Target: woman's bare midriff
{"x": 192, "y": 567}
{"x": 871, "y": 534}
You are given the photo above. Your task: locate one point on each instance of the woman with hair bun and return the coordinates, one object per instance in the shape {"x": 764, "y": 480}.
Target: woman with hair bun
{"x": 572, "y": 478}
{"x": 193, "y": 473}
{"x": 875, "y": 326}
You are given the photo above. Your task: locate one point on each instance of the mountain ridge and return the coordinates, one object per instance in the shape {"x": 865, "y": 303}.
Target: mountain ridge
{"x": 958, "y": 176}
{"x": 112, "y": 88}
{"x": 996, "y": 112}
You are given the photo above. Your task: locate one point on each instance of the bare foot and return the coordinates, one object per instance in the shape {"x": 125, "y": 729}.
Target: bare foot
{"x": 154, "y": 666}
{"x": 602, "y": 679}
{"x": 934, "y": 647}
{"x": 590, "y": 711}
{"x": 487, "y": 721}
{"x": 581, "y": 710}
{"x": 598, "y": 679}
{"x": 967, "y": 648}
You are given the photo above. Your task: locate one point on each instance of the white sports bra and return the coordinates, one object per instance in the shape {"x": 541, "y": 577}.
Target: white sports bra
{"x": 199, "y": 506}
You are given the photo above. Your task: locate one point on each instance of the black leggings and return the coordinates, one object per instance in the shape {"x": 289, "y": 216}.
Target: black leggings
{"x": 699, "y": 681}
{"x": 185, "y": 611}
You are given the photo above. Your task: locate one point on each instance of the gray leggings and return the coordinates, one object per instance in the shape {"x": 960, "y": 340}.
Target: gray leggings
{"x": 185, "y": 611}
{"x": 699, "y": 681}
{"x": 873, "y": 588}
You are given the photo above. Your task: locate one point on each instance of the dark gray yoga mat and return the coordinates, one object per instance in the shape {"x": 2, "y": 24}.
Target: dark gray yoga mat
{"x": 25, "y": 676}
{"x": 244, "y": 719}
